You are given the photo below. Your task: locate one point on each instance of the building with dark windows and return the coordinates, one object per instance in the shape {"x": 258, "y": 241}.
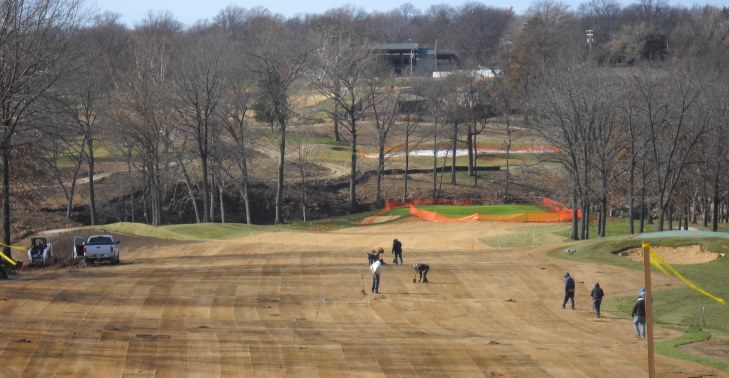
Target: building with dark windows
{"x": 409, "y": 59}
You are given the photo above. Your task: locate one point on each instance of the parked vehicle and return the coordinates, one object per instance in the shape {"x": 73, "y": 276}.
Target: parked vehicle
{"x": 97, "y": 248}
{"x": 40, "y": 252}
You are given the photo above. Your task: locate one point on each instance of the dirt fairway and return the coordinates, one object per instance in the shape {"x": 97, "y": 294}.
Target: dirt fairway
{"x": 285, "y": 303}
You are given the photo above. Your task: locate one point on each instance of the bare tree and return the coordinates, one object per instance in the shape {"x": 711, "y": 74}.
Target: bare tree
{"x": 278, "y": 56}
{"x": 434, "y": 93}
{"x": 343, "y": 63}
{"x": 717, "y": 151}
{"x": 304, "y": 154}
{"x": 577, "y": 116}
{"x": 669, "y": 107}
{"x": 476, "y": 31}
{"x": 83, "y": 94}
{"x": 235, "y": 104}
{"x": 384, "y": 100}
{"x": 413, "y": 113}
{"x": 454, "y": 112}
{"x": 141, "y": 105}
{"x": 33, "y": 40}
{"x": 334, "y": 32}
{"x": 198, "y": 89}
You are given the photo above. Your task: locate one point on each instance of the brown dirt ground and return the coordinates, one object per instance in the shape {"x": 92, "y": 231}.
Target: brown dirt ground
{"x": 291, "y": 303}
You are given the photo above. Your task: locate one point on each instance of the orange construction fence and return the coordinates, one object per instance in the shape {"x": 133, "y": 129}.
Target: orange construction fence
{"x": 556, "y": 212}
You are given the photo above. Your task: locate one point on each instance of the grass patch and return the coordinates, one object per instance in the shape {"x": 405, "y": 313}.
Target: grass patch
{"x": 616, "y": 226}
{"x": 527, "y": 237}
{"x": 462, "y": 211}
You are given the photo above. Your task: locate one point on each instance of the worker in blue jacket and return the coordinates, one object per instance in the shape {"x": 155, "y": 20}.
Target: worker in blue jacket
{"x": 569, "y": 290}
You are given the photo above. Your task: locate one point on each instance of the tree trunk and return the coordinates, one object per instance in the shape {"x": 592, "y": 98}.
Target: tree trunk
{"x": 435, "y": 156}
{"x": 631, "y": 196}
{"x": 661, "y": 212}
{"x": 715, "y": 207}
{"x": 407, "y": 167}
{"x": 469, "y": 146}
{"x": 454, "y": 144}
{"x": 575, "y": 213}
{"x": 188, "y": 185}
{"x": 211, "y": 186}
{"x": 92, "y": 194}
{"x": 380, "y": 171}
{"x": 353, "y": 169}
{"x": 131, "y": 185}
{"x": 72, "y": 190}
{"x": 603, "y": 215}
{"x": 280, "y": 179}
{"x": 221, "y": 193}
{"x": 6, "y": 201}
{"x": 475, "y": 163}
{"x": 206, "y": 195}
{"x": 337, "y": 137}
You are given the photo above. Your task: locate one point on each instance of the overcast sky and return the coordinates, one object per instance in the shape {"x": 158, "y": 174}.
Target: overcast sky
{"x": 190, "y": 11}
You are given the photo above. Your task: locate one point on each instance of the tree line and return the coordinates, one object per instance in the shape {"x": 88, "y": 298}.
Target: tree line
{"x": 633, "y": 97}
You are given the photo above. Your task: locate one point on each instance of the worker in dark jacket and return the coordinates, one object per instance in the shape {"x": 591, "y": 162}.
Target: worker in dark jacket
{"x": 569, "y": 290}
{"x": 638, "y": 315}
{"x": 597, "y": 294}
{"x": 397, "y": 251}
{"x": 422, "y": 269}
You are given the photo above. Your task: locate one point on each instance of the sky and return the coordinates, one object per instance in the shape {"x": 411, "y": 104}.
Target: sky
{"x": 190, "y": 11}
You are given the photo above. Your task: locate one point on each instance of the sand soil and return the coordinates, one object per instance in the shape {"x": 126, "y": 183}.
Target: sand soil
{"x": 692, "y": 254}
{"x": 299, "y": 304}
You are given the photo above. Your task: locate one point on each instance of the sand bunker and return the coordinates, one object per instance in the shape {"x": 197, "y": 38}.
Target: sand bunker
{"x": 693, "y": 254}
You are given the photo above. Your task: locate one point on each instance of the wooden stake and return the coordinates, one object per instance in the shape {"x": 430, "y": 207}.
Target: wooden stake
{"x": 648, "y": 309}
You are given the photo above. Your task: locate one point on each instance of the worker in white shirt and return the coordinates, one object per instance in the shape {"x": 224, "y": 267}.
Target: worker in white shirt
{"x": 376, "y": 269}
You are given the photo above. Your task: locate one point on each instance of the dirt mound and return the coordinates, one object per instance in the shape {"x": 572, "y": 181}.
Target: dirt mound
{"x": 692, "y": 254}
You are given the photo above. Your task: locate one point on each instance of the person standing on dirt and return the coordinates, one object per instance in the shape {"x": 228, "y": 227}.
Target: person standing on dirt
{"x": 423, "y": 269}
{"x": 569, "y": 290}
{"x": 597, "y": 294}
{"x": 376, "y": 269}
{"x": 397, "y": 251}
{"x": 638, "y": 315}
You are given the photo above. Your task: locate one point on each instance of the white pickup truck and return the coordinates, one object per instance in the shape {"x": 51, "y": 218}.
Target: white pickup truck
{"x": 97, "y": 248}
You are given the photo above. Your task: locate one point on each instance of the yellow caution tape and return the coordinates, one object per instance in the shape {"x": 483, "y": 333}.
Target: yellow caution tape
{"x": 8, "y": 258}
{"x": 684, "y": 279}
{"x": 658, "y": 265}
{"x": 15, "y": 247}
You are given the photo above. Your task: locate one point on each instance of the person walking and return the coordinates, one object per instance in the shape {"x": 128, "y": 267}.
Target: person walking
{"x": 638, "y": 315}
{"x": 569, "y": 290}
{"x": 597, "y": 294}
{"x": 397, "y": 251}
{"x": 423, "y": 270}
{"x": 376, "y": 269}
